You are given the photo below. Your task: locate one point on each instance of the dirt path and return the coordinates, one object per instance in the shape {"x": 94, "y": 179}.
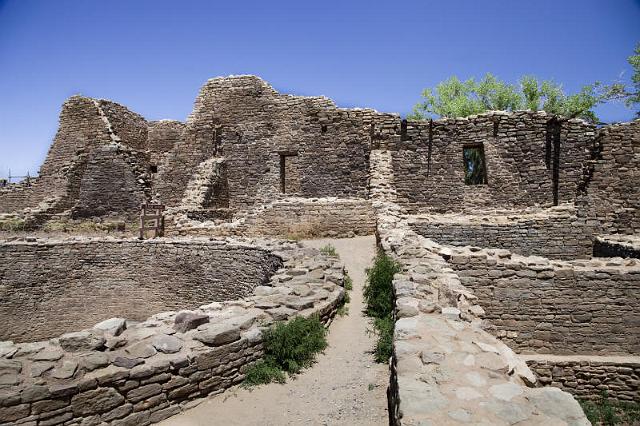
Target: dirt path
{"x": 345, "y": 386}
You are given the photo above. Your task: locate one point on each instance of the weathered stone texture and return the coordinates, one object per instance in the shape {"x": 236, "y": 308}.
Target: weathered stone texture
{"x": 168, "y": 365}
{"x": 54, "y": 287}
{"x": 520, "y": 161}
{"x": 556, "y": 233}
{"x": 611, "y": 179}
{"x": 588, "y": 377}
{"x": 560, "y": 307}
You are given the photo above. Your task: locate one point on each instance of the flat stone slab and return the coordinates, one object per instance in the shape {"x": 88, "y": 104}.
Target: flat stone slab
{"x": 167, "y": 344}
{"x": 81, "y": 340}
{"x": 186, "y": 321}
{"x": 218, "y": 335}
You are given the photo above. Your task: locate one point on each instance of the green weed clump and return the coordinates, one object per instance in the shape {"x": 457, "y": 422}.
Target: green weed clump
{"x": 348, "y": 283}
{"x": 12, "y": 224}
{"x": 289, "y": 347}
{"x": 607, "y": 412}
{"x": 378, "y": 295}
{"x": 329, "y": 250}
{"x": 343, "y": 309}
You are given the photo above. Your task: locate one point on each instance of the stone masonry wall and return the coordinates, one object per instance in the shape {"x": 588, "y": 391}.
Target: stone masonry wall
{"x": 610, "y": 180}
{"x": 123, "y": 372}
{"x": 53, "y": 287}
{"x": 88, "y": 127}
{"x": 115, "y": 182}
{"x": 588, "y": 377}
{"x": 556, "y": 233}
{"x": 293, "y": 217}
{"x": 524, "y": 168}
{"x": 445, "y": 368}
{"x": 245, "y": 120}
{"x": 579, "y": 307}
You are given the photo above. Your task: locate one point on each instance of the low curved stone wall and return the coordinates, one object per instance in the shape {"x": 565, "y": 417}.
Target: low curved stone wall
{"x": 135, "y": 373}
{"x": 54, "y": 286}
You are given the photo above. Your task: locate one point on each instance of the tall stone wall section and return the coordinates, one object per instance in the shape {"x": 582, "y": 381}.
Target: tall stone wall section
{"x": 98, "y": 153}
{"x": 54, "y": 287}
{"x": 537, "y": 305}
{"x": 526, "y": 165}
{"x": 610, "y": 193}
{"x": 556, "y": 233}
{"x": 254, "y": 127}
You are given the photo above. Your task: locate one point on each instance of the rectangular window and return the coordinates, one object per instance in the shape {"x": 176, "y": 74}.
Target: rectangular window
{"x": 475, "y": 168}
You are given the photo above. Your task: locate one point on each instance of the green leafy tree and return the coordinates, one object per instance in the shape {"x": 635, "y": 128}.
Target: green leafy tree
{"x": 633, "y": 98}
{"x": 455, "y": 98}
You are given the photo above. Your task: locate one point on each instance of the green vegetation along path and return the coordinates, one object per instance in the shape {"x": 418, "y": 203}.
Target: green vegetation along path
{"x": 344, "y": 387}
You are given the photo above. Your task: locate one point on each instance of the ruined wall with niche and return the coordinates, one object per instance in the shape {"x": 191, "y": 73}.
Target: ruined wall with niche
{"x": 610, "y": 195}
{"x": 560, "y": 307}
{"x": 326, "y": 149}
{"x": 531, "y": 160}
{"x": 60, "y": 286}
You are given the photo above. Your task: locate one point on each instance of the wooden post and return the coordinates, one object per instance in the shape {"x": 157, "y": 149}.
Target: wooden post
{"x": 152, "y": 212}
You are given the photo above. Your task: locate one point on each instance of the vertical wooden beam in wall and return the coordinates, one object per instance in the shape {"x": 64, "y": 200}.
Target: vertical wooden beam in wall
{"x": 282, "y": 172}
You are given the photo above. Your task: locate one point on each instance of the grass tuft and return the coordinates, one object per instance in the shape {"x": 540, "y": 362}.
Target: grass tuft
{"x": 329, "y": 250}
{"x": 608, "y": 412}
{"x": 289, "y": 347}
{"x": 378, "y": 294}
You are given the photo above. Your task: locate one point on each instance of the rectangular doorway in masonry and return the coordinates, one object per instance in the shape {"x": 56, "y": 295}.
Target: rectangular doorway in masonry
{"x": 289, "y": 173}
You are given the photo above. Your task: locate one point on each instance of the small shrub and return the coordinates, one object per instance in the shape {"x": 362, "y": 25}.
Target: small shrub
{"x": 607, "y": 412}
{"x": 348, "y": 283}
{"x": 289, "y": 347}
{"x": 12, "y": 224}
{"x": 263, "y": 372}
{"x": 293, "y": 345}
{"x": 378, "y": 294}
{"x": 378, "y": 291}
{"x": 384, "y": 344}
{"x": 329, "y": 250}
{"x": 343, "y": 309}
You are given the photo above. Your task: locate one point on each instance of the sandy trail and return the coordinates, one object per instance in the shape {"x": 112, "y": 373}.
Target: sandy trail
{"x": 345, "y": 386}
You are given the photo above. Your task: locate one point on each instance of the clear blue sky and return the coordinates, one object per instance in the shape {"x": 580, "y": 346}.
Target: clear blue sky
{"x": 153, "y": 56}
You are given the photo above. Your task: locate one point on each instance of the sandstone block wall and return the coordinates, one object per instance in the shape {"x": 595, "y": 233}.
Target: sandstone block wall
{"x": 53, "y": 287}
{"x": 588, "y": 377}
{"x": 115, "y": 182}
{"x": 254, "y": 127}
{"x": 579, "y": 307}
{"x": 525, "y": 165}
{"x": 610, "y": 181}
{"x": 88, "y": 159}
{"x": 555, "y": 233}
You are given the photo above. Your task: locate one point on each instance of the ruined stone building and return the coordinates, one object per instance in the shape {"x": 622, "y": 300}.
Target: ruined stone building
{"x": 533, "y": 258}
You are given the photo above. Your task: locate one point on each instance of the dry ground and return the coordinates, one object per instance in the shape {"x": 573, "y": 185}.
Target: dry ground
{"x": 345, "y": 386}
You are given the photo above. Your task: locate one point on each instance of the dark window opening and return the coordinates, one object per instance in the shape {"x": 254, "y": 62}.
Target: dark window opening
{"x": 153, "y": 168}
{"x": 475, "y": 168}
{"x": 289, "y": 173}
{"x": 324, "y": 128}
{"x": 403, "y": 130}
